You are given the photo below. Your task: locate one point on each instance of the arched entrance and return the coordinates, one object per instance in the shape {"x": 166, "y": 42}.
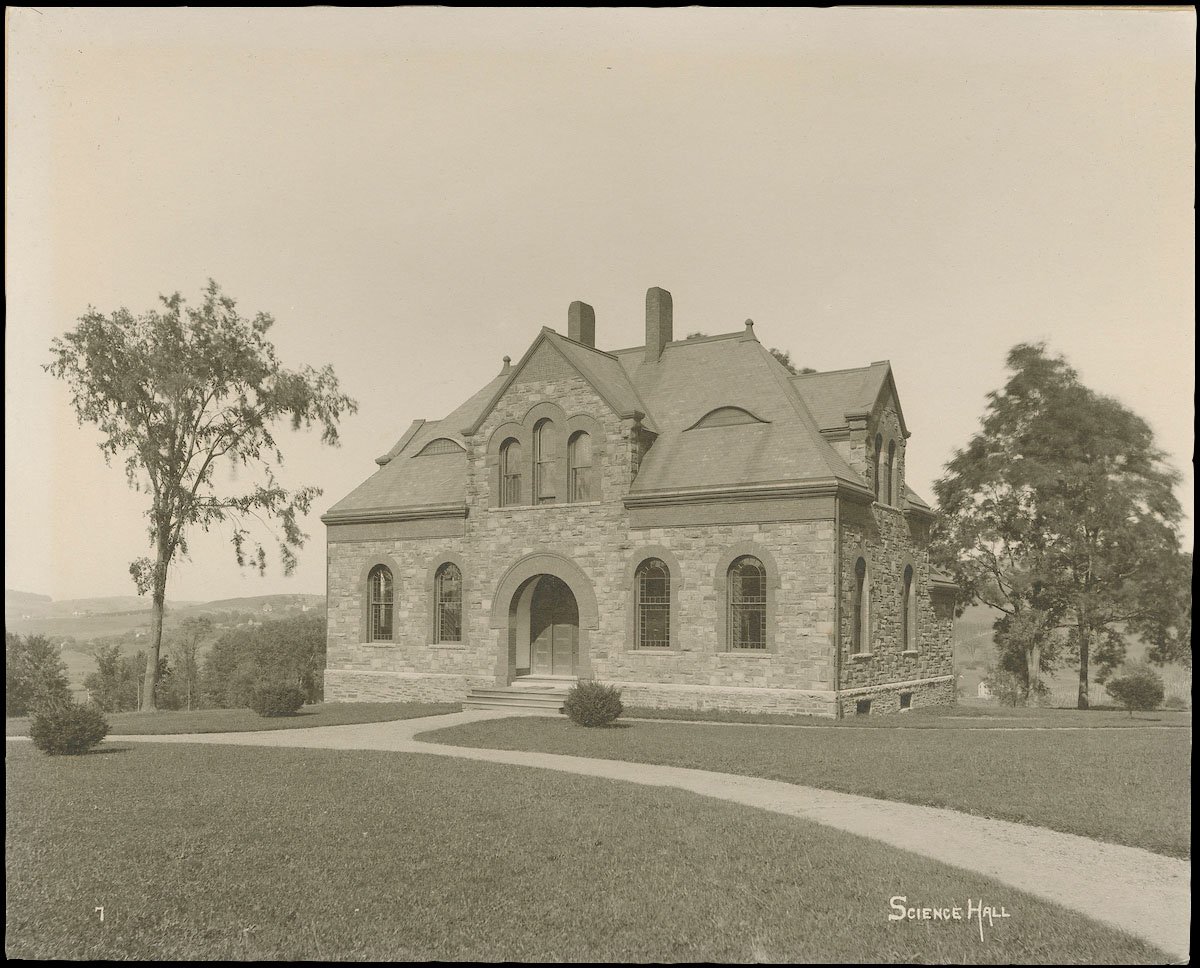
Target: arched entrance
{"x": 544, "y": 628}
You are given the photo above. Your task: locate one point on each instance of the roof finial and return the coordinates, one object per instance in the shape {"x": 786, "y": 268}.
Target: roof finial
{"x": 749, "y": 334}
{"x": 507, "y": 364}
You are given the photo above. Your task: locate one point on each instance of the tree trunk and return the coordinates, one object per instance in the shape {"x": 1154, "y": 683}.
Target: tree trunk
{"x": 159, "y": 599}
{"x": 1083, "y": 664}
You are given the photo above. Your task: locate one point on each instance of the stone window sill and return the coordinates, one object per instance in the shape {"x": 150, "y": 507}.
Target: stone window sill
{"x": 448, "y": 646}
{"x": 747, "y": 654}
{"x": 862, "y": 656}
{"x": 546, "y": 507}
{"x": 910, "y": 652}
{"x": 653, "y": 651}
{"x": 378, "y": 644}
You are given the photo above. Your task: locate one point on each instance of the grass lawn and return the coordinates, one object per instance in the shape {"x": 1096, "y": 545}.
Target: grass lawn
{"x": 1128, "y": 786}
{"x": 241, "y": 720}
{"x": 936, "y": 717}
{"x": 213, "y": 852}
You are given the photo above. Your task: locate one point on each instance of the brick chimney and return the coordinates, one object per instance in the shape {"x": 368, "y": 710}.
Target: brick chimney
{"x": 658, "y": 322}
{"x": 581, "y": 323}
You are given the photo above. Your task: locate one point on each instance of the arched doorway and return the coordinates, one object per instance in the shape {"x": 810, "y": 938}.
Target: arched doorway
{"x": 544, "y": 628}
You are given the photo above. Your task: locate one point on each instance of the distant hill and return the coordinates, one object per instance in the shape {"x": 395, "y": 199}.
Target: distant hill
{"x": 85, "y": 619}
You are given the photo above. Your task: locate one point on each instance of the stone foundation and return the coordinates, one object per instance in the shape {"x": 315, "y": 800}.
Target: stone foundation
{"x": 885, "y": 698}
{"x": 792, "y": 702}
{"x": 346, "y": 686}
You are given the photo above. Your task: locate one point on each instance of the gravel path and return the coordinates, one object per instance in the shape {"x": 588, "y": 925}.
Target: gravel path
{"x": 1145, "y": 894}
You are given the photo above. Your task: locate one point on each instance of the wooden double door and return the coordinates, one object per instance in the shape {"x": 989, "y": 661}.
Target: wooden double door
{"x": 553, "y": 629}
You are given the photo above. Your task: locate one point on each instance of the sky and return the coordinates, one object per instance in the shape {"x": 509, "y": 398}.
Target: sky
{"x": 413, "y": 193}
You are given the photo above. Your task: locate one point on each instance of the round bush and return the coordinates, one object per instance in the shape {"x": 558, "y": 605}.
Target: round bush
{"x": 69, "y": 728}
{"x": 268, "y": 699}
{"x": 593, "y": 704}
{"x": 1139, "y": 688}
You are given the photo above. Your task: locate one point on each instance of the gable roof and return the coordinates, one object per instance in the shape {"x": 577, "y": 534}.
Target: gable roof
{"x": 837, "y": 396}
{"x": 600, "y": 369}
{"x": 784, "y": 445}
{"x": 695, "y": 377}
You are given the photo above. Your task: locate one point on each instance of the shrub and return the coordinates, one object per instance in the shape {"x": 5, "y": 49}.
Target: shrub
{"x": 70, "y": 728}
{"x": 1007, "y": 687}
{"x": 272, "y": 699}
{"x": 593, "y": 704}
{"x": 1140, "y": 688}
{"x": 1175, "y": 702}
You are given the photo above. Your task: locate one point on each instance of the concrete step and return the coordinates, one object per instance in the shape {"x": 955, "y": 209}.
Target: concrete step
{"x": 549, "y": 698}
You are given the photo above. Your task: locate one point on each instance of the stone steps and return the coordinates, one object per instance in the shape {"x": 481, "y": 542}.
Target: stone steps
{"x": 517, "y": 697}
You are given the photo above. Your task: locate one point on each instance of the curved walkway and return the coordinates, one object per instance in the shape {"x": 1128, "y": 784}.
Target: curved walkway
{"x": 1145, "y": 894}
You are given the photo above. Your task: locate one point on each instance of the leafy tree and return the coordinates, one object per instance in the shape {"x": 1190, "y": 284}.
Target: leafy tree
{"x": 112, "y": 687}
{"x": 1061, "y": 514}
{"x": 35, "y": 676}
{"x": 288, "y": 651}
{"x": 192, "y": 631}
{"x": 1140, "y": 688}
{"x": 177, "y": 392}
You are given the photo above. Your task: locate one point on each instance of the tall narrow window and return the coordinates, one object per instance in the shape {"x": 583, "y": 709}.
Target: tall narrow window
{"x": 510, "y": 473}
{"x": 379, "y": 604}
{"x": 747, "y": 604}
{"x": 653, "y": 605}
{"x": 860, "y": 609}
{"x": 908, "y": 613}
{"x": 890, "y": 490}
{"x": 544, "y": 462}
{"x": 579, "y": 464}
{"x": 449, "y": 603}
{"x": 878, "y": 448}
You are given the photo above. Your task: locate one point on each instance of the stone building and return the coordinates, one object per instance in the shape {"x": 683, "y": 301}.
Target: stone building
{"x": 684, "y": 519}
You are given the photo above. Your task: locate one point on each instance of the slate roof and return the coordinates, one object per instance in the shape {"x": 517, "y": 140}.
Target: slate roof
{"x": 784, "y": 445}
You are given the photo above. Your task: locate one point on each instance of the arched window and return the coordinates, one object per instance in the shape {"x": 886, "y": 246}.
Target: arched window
{"x": 890, "y": 490}
{"x": 908, "y": 630}
{"x": 878, "y": 448}
{"x": 379, "y": 604}
{"x": 544, "y": 454}
{"x": 510, "y": 473}
{"x": 448, "y": 589}
{"x": 860, "y": 613}
{"x": 747, "y": 604}
{"x": 653, "y": 605}
{"x": 579, "y": 467}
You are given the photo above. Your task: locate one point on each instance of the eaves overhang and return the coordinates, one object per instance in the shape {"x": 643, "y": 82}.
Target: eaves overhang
{"x": 826, "y": 487}
{"x": 387, "y": 515}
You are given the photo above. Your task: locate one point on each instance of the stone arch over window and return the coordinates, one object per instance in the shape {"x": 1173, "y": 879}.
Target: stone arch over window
{"x": 860, "y": 609}
{"x": 593, "y": 476}
{"x": 724, "y": 588}
{"x": 380, "y": 593}
{"x": 445, "y": 572}
{"x": 546, "y": 425}
{"x": 506, "y": 452}
{"x": 642, "y": 555}
{"x": 909, "y": 623}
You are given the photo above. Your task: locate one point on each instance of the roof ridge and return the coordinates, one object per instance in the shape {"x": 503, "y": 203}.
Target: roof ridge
{"x": 844, "y": 369}
{"x": 683, "y": 342}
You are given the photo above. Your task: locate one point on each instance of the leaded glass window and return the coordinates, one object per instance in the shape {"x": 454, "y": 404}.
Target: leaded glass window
{"x": 747, "y": 604}
{"x": 653, "y": 605}
{"x": 379, "y": 604}
{"x": 449, "y": 603}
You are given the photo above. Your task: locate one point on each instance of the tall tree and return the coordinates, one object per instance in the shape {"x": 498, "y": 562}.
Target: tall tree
{"x": 192, "y": 631}
{"x": 35, "y": 675}
{"x": 177, "y": 392}
{"x": 1061, "y": 513}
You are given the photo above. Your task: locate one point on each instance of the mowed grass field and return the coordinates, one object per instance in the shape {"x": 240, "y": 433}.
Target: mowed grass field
{"x": 168, "y": 722}
{"x": 216, "y": 852}
{"x": 1125, "y": 786}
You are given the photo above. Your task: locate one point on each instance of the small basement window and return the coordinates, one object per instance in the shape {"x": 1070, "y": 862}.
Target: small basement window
{"x": 906, "y": 700}
{"x": 862, "y": 707}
